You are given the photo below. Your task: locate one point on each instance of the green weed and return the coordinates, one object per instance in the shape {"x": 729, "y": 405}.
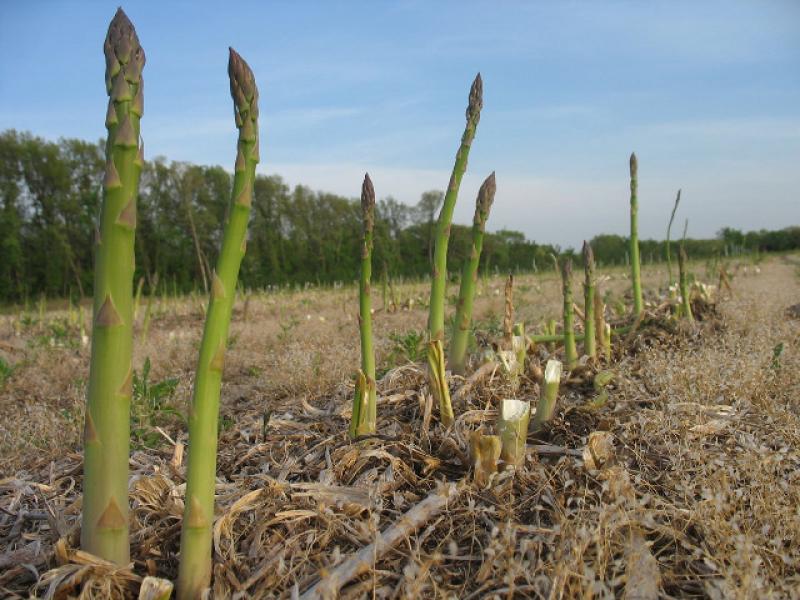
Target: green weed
{"x": 5, "y": 371}
{"x": 150, "y": 407}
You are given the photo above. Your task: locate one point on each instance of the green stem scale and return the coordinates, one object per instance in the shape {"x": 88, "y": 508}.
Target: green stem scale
{"x": 194, "y": 573}
{"x": 636, "y": 277}
{"x": 589, "y": 344}
{"x": 570, "y": 351}
{"x": 469, "y": 277}
{"x": 104, "y": 527}
{"x": 364, "y": 416}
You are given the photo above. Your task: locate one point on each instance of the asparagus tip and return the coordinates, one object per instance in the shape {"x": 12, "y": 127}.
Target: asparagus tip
{"x": 243, "y": 82}
{"x": 122, "y": 49}
{"x": 588, "y": 254}
{"x": 634, "y": 164}
{"x": 368, "y": 202}
{"x": 121, "y": 19}
{"x": 475, "y": 98}
{"x": 486, "y": 194}
{"x": 566, "y": 269}
{"x": 367, "y": 193}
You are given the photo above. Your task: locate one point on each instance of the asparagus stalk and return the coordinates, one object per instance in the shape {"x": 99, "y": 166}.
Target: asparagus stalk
{"x": 438, "y": 381}
{"x": 469, "y": 277}
{"x": 519, "y": 344}
{"x": 153, "y": 588}
{"x": 686, "y": 307}
{"x": 669, "y": 244}
{"x": 607, "y": 341}
{"x": 436, "y": 314}
{"x": 104, "y": 528}
{"x": 599, "y": 322}
{"x": 508, "y": 313}
{"x": 437, "y": 377}
{"x": 570, "y": 351}
{"x": 484, "y": 451}
{"x": 385, "y": 287}
{"x": 365, "y": 402}
{"x": 512, "y": 426}
{"x": 589, "y": 345}
{"x": 634, "y": 241}
{"x": 194, "y": 572}
{"x": 547, "y": 400}
{"x": 551, "y": 332}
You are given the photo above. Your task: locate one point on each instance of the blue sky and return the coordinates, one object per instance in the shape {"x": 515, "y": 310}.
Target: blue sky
{"x": 706, "y": 93}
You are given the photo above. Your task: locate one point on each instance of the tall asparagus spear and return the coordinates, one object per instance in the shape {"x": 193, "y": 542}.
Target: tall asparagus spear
{"x": 570, "y": 352}
{"x": 600, "y": 323}
{"x": 437, "y": 377}
{"x": 634, "y": 241}
{"x": 436, "y": 314}
{"x": 469, "y": 276}
{"x": 195, "y": 560}
{"x": 589, "y": 346}
{"x": 683, "y": 279}
{"x": 104, "y": 529}
{"x": 365, "y": 401}
{"x": 669, "y": 244}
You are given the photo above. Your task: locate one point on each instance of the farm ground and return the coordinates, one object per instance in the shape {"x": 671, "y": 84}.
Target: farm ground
{"x": 699, "y": 496}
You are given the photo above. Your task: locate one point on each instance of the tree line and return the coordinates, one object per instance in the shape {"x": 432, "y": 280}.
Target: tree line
{"x": 51, "y": 195}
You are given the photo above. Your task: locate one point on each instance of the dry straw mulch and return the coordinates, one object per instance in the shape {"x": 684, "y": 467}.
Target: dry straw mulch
{"x": 683, "y": 482}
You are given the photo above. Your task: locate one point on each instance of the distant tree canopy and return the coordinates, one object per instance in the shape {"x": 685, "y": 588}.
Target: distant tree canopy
{"x": 50, "y": 194}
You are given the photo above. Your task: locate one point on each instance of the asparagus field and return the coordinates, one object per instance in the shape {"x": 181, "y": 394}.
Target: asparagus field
{"x": 682, "y": 473}
{"x": 481, "y": 436}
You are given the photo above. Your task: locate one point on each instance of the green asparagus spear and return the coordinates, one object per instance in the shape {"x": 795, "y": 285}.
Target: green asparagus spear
{"x": 365, "y": 413}
{"x": 195, "y": 560}
{"x": 671, "y": 281}
{"x": 104, "y": 528}
{"x": 570, "y": 352}
{"x": 686, "y": 305}
{"x": 437, "y": 377}
{"x": 469, "y": 277}
{"x": 436, "y": 314}
{"x": 634, "y": 241}
{"x": 589, "y": 345}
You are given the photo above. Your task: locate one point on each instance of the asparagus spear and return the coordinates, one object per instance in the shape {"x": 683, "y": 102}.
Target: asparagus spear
{"x": 686, "y": 305}
{"x": 671, "y": 281}
{"x": 549, "y": 394}
{"x": 599, "y": 323}
{"x": 512, "y": 427}
{"x": 436, "y": 314}
{"x": 104, "y": 528}
{"x": 634, "y": 241}
{"x": 589, "y": 345}
{"x": 570, "y": 352}
{"x": 195, "y": 560}
{"x": 364, "y": 413}
{"x": 469, "y": 276}
{"x": 437, "y": 376}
